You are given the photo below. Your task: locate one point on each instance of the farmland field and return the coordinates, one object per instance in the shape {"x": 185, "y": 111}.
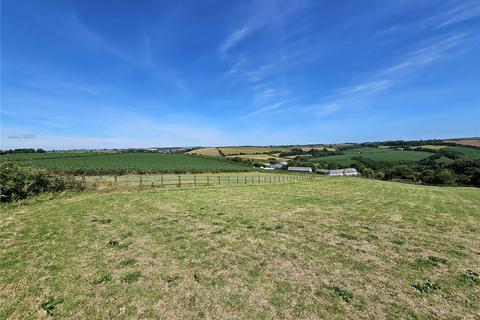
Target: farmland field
{"x": 228, "y": 151}
{"x": 432, "y": 147}
{"x": 260, "y": 156}
{"x": 467, "y": 142}
{"x": 344, "y": 248}
{"x": 385, "y": 154}
{"x": 205, "y": 152}
{"x": 191, "y": 180}
{"x": 52, "y": 155}
{"x": 472, "y": 153}
{"x": 104, "y": 163}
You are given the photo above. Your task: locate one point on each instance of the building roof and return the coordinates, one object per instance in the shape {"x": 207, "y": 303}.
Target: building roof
{"x": 305, "y": 169}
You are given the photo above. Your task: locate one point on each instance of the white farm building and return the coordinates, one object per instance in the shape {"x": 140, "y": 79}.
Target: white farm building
{"x": 300, "y": 169}
{"x": 339, "y": 172}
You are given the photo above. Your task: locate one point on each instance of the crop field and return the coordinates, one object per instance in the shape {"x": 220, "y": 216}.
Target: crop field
{"x": 228, "y": 151}
{"x": 105, "y": 163}
{"x": 307, "y": 148}
{"x": 385, "y": 154}
{"x": 472, "y": 153}
{"x": 51, "y": 155}
{"x": 343, "y": 248}
{"x": 260, "y": 156}
{"x": 205, "y": 152}
{"x": 432, "y": 147}
{"x": 467, "y": 142}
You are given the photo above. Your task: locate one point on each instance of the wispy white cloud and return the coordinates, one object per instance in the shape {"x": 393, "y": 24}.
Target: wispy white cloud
{"x": 119, "y": 130}
{"x": 232, "y": 39}
{"x": 265, "y": 109}
{"x": 82, "y": 30}
{"x": 426, "y": 53}
{"x": 454, "y": 12}
{"x": 147, "y": 47}
{"x": 267, "y": 95}
{"x": 81, "y": 88}
{"x": 369, "y": 87}
{"x": 324, "y": 110}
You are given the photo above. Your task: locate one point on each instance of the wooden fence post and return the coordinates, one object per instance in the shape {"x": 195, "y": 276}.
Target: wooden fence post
{"x": 179, "y": 181}
{"x": 208, "y": 180}
{"x": 141, "y": 181}
{"x": 115, "y": 179}
{"x": 161, "y": 178}
{"x": 219, "y": 180}
{"x": 245, "y": 179}
{"x": 194, "y": 181}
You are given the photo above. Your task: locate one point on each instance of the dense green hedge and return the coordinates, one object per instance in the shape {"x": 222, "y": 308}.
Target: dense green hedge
{"x": 17, "y": 182}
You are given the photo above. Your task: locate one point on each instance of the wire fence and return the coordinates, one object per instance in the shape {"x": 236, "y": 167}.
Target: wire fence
{"x": 169, "y": 181}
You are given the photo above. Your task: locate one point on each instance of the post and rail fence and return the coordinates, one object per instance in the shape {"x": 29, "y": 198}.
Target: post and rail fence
{"x": 169, "y": 181}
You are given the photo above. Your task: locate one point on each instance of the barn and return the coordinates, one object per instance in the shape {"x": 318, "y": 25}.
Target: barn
{"x": 300, "y": 169}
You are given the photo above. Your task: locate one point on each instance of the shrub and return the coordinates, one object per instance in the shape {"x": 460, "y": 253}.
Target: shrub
{"x": 444, "y": 176}
{"x": 17, "y": 182}
{"x": 345, "y": 294}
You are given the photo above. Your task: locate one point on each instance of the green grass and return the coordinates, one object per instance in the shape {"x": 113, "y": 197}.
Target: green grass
{"x": 384, "y": 154}
{"x": 104, "y": 163}
{"x": 344, "y": 248}
{"x": 470, "y": 152}
{"x": 52, "y": 155}
{"x": 220, "y": 178}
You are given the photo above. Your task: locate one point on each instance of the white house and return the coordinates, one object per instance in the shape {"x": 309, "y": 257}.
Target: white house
{"x": 339, "y": 172}
{"x": 277, "y": 166}
{"x": 300, "y": 169}
{"x": 350, "y": 172}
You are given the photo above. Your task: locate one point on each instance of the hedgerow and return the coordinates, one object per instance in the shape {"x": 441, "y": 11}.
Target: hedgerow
{"x": 17, "y": 182}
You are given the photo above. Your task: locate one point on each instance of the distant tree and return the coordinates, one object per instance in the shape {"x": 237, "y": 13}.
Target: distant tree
{"x": 444, "y": 176}
{"x": 368, "y": 173}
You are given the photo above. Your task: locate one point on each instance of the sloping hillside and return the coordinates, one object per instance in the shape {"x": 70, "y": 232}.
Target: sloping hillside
{"x": 331, "y": 248}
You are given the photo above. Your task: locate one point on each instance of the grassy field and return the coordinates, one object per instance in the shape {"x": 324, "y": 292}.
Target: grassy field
{"x": 432, "y": 147}
{"x": 190, "y": 180}
{"x": 228, "y": 151}
{"x": 205, "y": 152}
{"x": 472, "y": 153}
{"x": 98, "y": 163}
{"x": 344, "y": 248}
{"x": 251, "y": 152}
{"x": 385, "y": 154}
{"x": 260, "y": 156}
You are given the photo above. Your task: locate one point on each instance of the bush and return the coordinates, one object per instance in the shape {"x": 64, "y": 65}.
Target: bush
{"x": 444, "y": 176}
{"x": 17, "y": 182}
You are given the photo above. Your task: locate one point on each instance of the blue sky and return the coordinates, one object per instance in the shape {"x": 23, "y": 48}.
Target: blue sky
{"x": 95, "y": 74}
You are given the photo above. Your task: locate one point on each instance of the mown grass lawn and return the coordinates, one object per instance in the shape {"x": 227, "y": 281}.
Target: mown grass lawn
{"x": 341, "y": 248}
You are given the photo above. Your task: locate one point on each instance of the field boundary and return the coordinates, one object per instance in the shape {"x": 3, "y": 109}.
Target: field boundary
{"x": 180, "y": 181}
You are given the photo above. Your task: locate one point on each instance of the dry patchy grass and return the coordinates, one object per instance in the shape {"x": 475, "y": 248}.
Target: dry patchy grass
{"x": 333, "y": 249}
